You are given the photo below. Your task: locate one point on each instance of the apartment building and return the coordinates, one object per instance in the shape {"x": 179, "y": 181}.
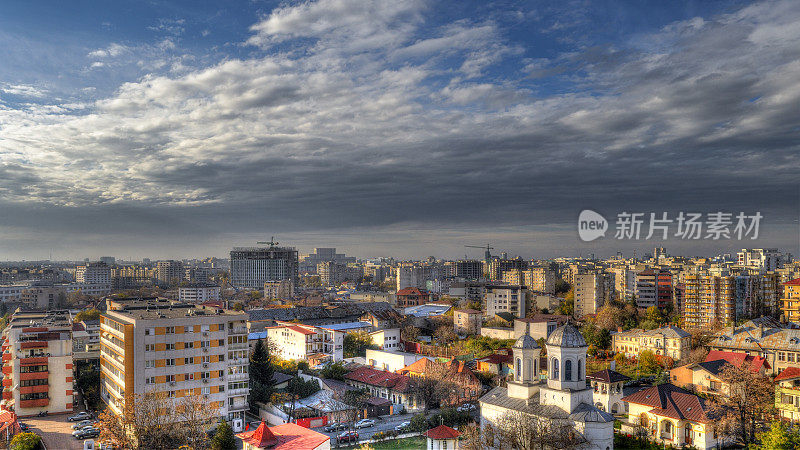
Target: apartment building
{"x": 505, "y": 298}
{"x": 591, "y": 290}
{"x": 669, "y": 341}
{"x": 282, "y": 289}
{"x": 181, "y": 349}
{"x": 12, "y": 292}
{"x": 169, "y": 272}
{"x": 412, "y": 296}
{"x": 498, "y": 266}
{"x": 37, "y": 363}
{"x": 467, "y": 321}
{"x": 624, "y": 282}
{"x": 317, "y": 344}
{"x": 467, "y": 269}
{"x": 653, "y": 288}
{"x": 791, "y": 300}
{"x": 762, "y": 259}
{"x": 199, "y": 293}
{"x": 251, "y": 267}
{"x": 93, "y": 273}
{"x": 43, "y": 296}
{"x": 708, "y": 299}
{"x": 540, "y": 279}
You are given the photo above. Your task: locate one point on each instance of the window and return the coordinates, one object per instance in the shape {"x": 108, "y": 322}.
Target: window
{"x": 187, "y": 361}
{"x": 150, "y": 380}
{"x": 170, "y": 378}
{"x": 149, "y": 347}
{"x": 781, "y": 356}
{"x": 149, "y": 364}
{"x": 568, "y": 370}
{"x": 170, "y": 347}
{"x": 790, "y": 357}
{"x": 206, "y": 390}
{"x": 519, "y": 368}
{"x": 206, "y": 359}
{"x": 170, "y": 330}
{"x": 580, "y": 369}
{"x": 149, "y": 331}
{"x": 170, "y": 362}
{"x": 555, "y": 369}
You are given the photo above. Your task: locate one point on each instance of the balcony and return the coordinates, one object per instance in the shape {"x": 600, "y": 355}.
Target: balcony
{"x": 238, "y": 392}
{"x": 8, "y": 395}
{"x": 35, "y": 403}
{"x": 7, "y": 370}
{"x": 34, "y": 389}
{"x": 7, "y": 357}
{"x": 33, "y": 361}
{"x": 34, "y": 376}
{"x": 33, "y": 344}
{"x": 237, "y": 330}
{"x": 238, "y": 376}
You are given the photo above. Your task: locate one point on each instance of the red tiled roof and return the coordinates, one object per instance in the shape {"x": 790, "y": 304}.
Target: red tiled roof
{"x": 300, "y": 329}
{"x": 374, "y": 377}
{"x": 261, "y": 437}
{"x": 411, "y": 291}
{"x": 739, "y": 359}
{"x": 795, "y": 282}
{"x": 789, "y": 373}
{"x": 288, "y": 436}
{"x": 671, "y": 401}
{"x": 442, "y": 432}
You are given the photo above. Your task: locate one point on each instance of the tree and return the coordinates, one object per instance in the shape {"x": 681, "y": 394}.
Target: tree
{"x": 610, "y": 317}
{"x": 356, "y": 400}
{"x": 89, "y": 314}
{"x": 520, "y": 431}
{"x": 223, "y": 437}
{"x": 598, "y": 337}
{"x": 648, "y": 362}
{"x": 653, "y": 314}
{"x": 780, "y": 437}
{"x": 26, "y": 441}
{"x": 261, "y": 373}
{"x": 751, "y": 398}
{"x": 434, "y": 386}
{"x": 445, "y": 335}
{"x": 155, "y": 420}
{"x": 335, "y": 371}
{"x": 356, "y": 343}
{"x": 409, "y": 333}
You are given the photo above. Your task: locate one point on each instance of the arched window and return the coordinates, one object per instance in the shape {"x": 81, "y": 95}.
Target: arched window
{"x": 580, "y": 369}
{"x": 530, "y": 369}
{"x": 535, "y": 373}
{"x": 568, "y": 370}
{"x": 519, "y": 368}
{"x": 555, "y": 369}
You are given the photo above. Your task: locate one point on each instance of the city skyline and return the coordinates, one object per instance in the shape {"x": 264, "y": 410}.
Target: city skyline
{"x": 401, "y": 128}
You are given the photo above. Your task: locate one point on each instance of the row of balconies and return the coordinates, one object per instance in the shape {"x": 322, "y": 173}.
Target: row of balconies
{"x": 35, "y": 403}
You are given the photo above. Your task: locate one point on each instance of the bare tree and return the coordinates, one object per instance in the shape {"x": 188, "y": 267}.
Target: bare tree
{"x": 434, "y": 386}
{"x": 155, "y": 420}
{"x": 521, "y": 431}
{"x": 751, "y": 398}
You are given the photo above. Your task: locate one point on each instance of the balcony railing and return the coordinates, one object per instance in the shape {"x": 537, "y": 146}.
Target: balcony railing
{"x": 35, "y": 403}
{"x": 34, "y": 389}
{"x": 238, "y": 376}
{"x": 33, "y": 361}
{"x": 34, "y": 375}
{"x": 238, "y": 392}
{"x": 237, "y": 330}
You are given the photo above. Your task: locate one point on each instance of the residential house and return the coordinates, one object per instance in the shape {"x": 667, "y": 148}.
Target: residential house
{"x": 393, "y": 386}
{"x": 706, "y": 377}
{"x": 442, "y": 438}
{"x": 670, "y": 341}
{"x": 469, "y": 387}
{"x": 498, "y": 363}
{"x": 787, "y": 394}
{"x": 762, "y": 337}
{"x": 671, "y": 416}
{"x": 412, "y": 296}
{"x": 283, "y": 437}
{"x": 467, "y": 321}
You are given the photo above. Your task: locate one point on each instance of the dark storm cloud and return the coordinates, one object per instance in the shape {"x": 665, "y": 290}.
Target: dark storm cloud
{"x": 701, "y": 116}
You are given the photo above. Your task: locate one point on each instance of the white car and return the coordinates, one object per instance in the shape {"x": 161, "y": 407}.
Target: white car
{"x": 364, "y": 423}
{"x": 466, "y": 407}
{"x": 402, "y": 426}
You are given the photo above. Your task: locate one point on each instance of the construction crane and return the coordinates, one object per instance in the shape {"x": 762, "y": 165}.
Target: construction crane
{"x": 271, "y": 242}
{"x": 487, "y": 255}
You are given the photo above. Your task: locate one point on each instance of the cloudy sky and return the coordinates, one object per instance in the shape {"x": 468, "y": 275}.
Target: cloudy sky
{"x": 408, "y": 128}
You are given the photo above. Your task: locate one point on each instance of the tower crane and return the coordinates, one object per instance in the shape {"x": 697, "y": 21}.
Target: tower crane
{"x": 487, "y": 255}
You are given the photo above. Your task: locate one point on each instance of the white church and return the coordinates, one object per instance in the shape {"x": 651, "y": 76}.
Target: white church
{"x": 564, "y": 399}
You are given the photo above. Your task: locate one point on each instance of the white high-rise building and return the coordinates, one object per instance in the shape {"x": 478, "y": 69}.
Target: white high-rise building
{"x": 763, "y": 259}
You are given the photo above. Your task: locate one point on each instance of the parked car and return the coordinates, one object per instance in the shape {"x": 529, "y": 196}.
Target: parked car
{"x": 82, "y": 424}
{"x": 347, "y": 436}
{"x": 85, "y": 433}
{"x": 334, "y": 427}
{"x": 466, "y": 407}
{"x": 23, "y": 426}
{"x": 402, "y": 426}
{"x": 364, "y": 423}
{"x": 83, "y": 415}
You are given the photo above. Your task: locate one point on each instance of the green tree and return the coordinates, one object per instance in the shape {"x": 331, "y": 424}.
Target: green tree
{"x": 223, "y": 438}
{"x": 26, "y": 441}
{"x": 357, "y": 343}
{"x": 261, "y": 373}
{"x": 89, "y": 314}
{"x": 780, "y": 437}
{"x": 335, "y": 371}
{"x": 653, "y": 314}
{"x": 648, "y": 362}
